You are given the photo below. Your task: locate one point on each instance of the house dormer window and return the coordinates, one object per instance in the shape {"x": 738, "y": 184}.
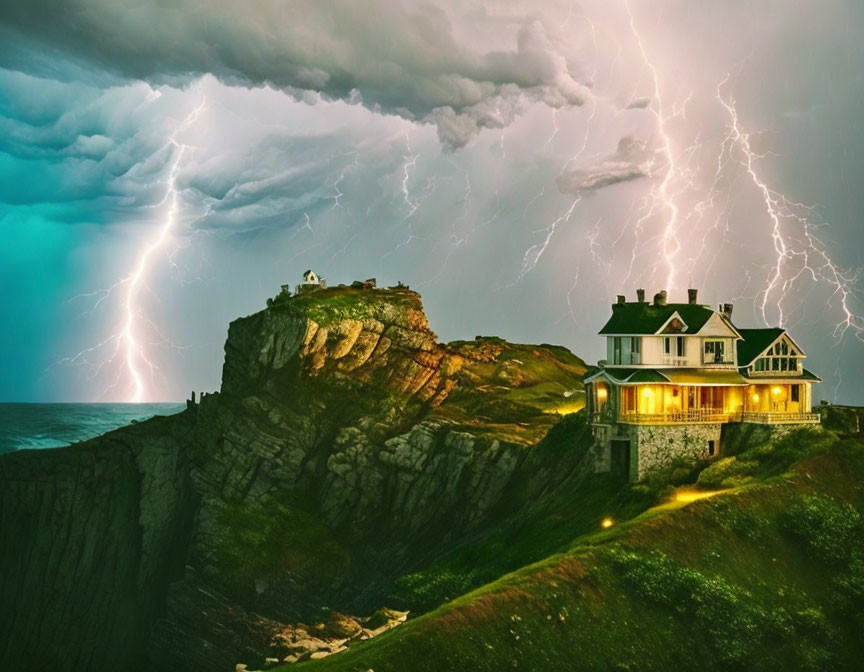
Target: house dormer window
{"x": 782, "y": 357}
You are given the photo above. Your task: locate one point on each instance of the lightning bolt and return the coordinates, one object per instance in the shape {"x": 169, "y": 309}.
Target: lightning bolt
{"x": 662, "y": 195}
{"x": 410, "y": 162}
{"x": 337, "y": 195}
{"x": 129, "y": 343}
{"x": 800, "y": 253}
{"x": 532, "y": 254}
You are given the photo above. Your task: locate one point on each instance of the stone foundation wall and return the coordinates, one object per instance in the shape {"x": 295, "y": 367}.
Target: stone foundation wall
{"x": 601, "y": 450}
{"x": 656, "y": 447}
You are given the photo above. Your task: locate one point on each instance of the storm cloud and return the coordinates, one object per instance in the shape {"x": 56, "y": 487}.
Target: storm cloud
{"x": 632, "y": 160}
{"x": 397, "y": 57}
{"x": 322, "y": 139}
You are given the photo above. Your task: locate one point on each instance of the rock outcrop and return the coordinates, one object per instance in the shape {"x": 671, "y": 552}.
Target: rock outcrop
{"x": 346, "y": 446}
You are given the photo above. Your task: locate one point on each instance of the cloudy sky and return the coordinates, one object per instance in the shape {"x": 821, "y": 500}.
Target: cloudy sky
{"x": 167, "y": 165}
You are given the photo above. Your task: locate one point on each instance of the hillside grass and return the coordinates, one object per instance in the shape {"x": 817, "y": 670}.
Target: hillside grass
{"x": 768, "y": 575}
{"x": 340, "y": 303}
{"x": 513, "y": 391}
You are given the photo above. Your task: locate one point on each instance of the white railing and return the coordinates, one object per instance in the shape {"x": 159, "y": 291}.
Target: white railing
{"x": 693, "y": 416}
{"x": 674, "y": 360}
{"x": 710, "y": 415}
{"x": 712, "y": 361}
{"x": 779, "y": 418}
{"x": 773, "y": 374}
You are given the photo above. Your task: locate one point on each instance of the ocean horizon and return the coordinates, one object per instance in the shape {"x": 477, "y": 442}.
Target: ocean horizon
{"x": 35, "y": 425}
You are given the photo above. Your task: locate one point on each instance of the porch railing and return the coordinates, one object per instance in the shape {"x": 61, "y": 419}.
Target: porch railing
{"x": 707, "y": 415}
{"x": 702, "y": 415}
{"x": 779, "y": 418}
{"x": 790, "y": 373}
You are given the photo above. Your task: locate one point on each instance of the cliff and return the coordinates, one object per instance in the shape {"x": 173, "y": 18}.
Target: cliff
{"x": 352, "y": 469}
{"x": 346, "y": 448}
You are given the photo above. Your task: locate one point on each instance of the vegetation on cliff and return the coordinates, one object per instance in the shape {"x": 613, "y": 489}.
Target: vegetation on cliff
{"x": 346, "y": 448}
{"x": 351, "y": 462}
{"x": 768, "y": 575}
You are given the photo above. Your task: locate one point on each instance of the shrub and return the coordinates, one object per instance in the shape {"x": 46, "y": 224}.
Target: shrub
{"x": 828, "y": 530}
{"x": 423, "y": 591}
{"x": 730, "y": 516}
{"x": 735, "y": 626}
{"x": 731, "y": 622}
{"x": 728, "y": 472}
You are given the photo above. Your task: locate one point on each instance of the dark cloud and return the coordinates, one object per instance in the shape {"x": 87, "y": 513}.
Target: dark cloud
{"x": 638, "y": 104}
{"x": 393, "y": 57}
{"x": 631, "y": 161}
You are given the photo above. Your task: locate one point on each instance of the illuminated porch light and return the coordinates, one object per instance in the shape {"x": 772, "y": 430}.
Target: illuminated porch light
{"x": 755, "y": 397}
{"x": 602, "y": 393}
{"x": 607, "y": 523}
{"x": 776, "y": 390}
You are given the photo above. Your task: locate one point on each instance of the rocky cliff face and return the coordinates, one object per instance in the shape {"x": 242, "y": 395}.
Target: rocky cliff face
{"x": 91, "y": 536}
{"x": 345, "y": 447}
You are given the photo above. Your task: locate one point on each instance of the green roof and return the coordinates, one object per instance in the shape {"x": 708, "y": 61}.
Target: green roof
{"x": 755, "y": 342}
{"x": 673, "y": 376}
{"x": 646, "y": 318}
{"x": 704, "y": 377}
{"x": 648, "y": 376}
{"x": 618, "y": 375}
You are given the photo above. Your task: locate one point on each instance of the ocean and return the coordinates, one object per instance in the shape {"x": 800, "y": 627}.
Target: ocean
{"x": 53, "y": 425}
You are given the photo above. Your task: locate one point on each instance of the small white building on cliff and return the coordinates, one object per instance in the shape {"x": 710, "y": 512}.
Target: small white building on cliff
{"x": 311, "y": 282}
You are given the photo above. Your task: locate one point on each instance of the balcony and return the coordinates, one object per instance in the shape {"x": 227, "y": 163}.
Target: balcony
{"x": 690, "y": 417}
{"x": 779, "y": 418}
{"x": 776, "y": 374}
{"x": 714, "y": 416}
{"x": 719, "y": 362}
{"x": 673, "y": 360}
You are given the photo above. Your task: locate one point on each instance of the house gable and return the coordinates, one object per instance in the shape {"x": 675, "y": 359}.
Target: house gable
{"x": 758, "y": 342}
{"x": 718, "y": 327}
{"x": 674, "y": 325}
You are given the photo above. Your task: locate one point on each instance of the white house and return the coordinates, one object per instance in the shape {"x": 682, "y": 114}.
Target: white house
{"x": 676, "y": 373}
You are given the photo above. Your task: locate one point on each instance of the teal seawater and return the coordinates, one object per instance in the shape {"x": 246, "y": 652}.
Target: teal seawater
{"x": 53, "y": 425}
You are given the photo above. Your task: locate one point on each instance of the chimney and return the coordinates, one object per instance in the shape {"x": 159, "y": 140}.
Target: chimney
{"x": 620, "y": 301}
{"x": 691, "y": 296}
{"x": 726, "y": 310}
{"x": 660, "y": 298}
{"x": 640, "y": 295}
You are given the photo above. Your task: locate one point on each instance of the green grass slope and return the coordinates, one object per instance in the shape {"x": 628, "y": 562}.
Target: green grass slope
{"x": 766, "y": 575}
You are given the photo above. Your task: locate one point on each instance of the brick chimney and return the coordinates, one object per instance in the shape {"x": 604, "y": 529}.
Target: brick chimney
{"x": 691, "y": 296}
{"x": 727, "y": 310}
{"x": 660, "y": 298}
{"x": 620, "y": 301}
{"x": 640, "y": 295}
